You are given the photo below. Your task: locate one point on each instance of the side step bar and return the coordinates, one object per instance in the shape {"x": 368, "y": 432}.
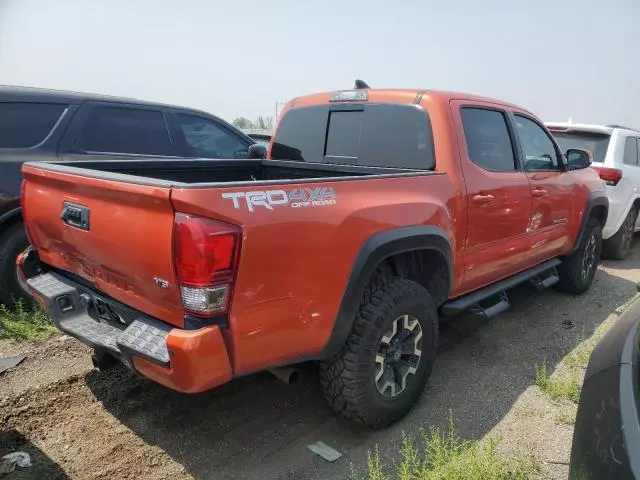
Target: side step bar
{"x": 472, "y": 300}
{"x": 545, "y": 282}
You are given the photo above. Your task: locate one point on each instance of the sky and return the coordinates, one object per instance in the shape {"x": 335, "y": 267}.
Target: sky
{"x": 561, "y": 59}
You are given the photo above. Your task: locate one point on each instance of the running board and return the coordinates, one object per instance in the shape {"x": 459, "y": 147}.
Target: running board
{"x": 545, "y": 282}
{"x": 473, "y": 299}
{"x": 497, "y": 308}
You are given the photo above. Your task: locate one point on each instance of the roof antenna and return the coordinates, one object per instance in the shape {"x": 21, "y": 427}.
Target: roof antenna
{"x": 361, "y": 84}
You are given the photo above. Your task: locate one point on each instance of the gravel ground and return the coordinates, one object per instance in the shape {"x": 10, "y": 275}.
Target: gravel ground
{"x": 79, "y": 423}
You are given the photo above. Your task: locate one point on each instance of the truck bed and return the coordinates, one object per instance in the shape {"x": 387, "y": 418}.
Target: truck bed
{"x": 111, "y": 222}
{"x": 201, "y": 173}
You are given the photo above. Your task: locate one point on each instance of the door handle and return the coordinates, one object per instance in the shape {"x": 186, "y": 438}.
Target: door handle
{"x": 539, "y": 192}
{"x": 483, "y": 198}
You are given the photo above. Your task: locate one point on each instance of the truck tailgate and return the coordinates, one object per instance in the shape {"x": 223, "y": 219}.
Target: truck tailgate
{"x": 115, "y": 235}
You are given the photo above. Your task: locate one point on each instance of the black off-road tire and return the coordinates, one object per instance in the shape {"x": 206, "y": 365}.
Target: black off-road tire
{"x": 617, "y": 247}
{"x": 572, "y": 269}
{"x": 348, "y": 379}
{"x": 13, "y": 241}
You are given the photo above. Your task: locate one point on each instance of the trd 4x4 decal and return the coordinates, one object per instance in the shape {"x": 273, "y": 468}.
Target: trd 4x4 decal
{"x": 295, "y": 198}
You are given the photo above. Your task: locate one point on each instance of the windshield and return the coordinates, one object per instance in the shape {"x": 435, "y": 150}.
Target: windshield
{"x": 596, "y": 143}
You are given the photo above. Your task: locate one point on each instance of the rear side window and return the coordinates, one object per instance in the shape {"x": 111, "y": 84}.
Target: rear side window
{"x": 488, "y": 141}
{"x": 630, "y": 151}
{"x": 393, "y": 136}
{"x": 126, "y": 130}
{"x": 24, "y": 125}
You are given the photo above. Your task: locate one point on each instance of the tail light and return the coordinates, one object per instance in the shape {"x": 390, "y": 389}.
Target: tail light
{"x": 205, "y": 255}
{"x": 611, "y": 176}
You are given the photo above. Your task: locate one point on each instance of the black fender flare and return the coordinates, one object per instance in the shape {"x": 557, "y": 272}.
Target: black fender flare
{"x": 596, "y": 199}
{"x": 376, "y": 249}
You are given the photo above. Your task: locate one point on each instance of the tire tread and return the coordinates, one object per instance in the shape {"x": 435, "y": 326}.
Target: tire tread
{"x": 570, "y": 270}
{"x": 342, "y": 381}
{"x": 12, "y": 241}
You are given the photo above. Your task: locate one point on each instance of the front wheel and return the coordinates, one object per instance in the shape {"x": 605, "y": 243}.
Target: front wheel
{"x": 578, "y": 269}
{"x": 387, "y": 359}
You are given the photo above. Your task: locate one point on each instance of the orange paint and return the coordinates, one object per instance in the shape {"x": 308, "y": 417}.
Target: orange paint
{"x": 198, "y": 361}
{"x": 294, "y": 263}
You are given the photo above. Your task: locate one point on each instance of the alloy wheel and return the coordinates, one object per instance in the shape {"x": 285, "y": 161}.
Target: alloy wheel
{"x": 398, "y": 356}
{"x": 589, "y": 258}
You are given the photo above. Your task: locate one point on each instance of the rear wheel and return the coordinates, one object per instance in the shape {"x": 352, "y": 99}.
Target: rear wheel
{"x": 578, "y": 269}
{"x": 387, "y": 359}
{"x": 618, "y": 246}
{"x": 13, "y": 241}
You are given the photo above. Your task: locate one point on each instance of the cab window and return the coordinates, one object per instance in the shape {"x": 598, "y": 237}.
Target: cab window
{"x": 539, "y": 151}
{"x": 488, "y": 141}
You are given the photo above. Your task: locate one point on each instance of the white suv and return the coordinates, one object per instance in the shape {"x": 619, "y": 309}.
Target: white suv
{"x": 616, "y": 157}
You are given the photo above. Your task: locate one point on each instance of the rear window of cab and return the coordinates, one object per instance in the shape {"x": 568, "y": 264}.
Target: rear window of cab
{"x": 373, "y": 135}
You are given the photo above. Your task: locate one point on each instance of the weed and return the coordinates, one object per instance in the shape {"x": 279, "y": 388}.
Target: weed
{"x": 443, "y": 455}
{"x": 566, "y": 416}
{"x": 21, "y": 323}
{"x": 580, "y": 355}
{"x": 565, "y": 387}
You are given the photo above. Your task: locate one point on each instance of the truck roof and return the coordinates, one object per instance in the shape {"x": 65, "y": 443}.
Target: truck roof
{"x": 45, "y": 95}
{"x": 380, "y": 95}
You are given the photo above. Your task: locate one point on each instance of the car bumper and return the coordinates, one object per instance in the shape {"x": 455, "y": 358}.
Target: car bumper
{"x": 606, "y": 437}
{"x": 188, "y": 361}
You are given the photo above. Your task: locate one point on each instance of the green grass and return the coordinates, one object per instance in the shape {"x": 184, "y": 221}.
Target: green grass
{"x": 565, "y": 387}
{"x": 444, "y": 456}
{"x": 21, "y": 323}
{"x": 580, "y": 355}
{"x": 566, "y": 416}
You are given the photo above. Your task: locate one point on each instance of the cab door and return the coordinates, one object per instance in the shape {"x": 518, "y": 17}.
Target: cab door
{"x": 498, "y": 195}
{"x": 552, "y": 198}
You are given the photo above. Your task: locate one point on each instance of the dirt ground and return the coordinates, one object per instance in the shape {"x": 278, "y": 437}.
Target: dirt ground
{"x": 79, "y": 423}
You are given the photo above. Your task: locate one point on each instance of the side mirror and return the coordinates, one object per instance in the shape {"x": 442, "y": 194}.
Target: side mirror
{"x": 257, "y": 151}
{"x": 577, "y": 158}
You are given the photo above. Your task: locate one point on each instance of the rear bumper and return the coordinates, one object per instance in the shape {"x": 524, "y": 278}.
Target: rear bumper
{"x": 188, "y": 361}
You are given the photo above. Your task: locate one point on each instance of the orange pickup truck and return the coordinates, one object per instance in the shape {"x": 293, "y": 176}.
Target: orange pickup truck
{"x": 375, "y": 211}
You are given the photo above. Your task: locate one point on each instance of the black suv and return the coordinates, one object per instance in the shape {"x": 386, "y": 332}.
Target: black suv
{"x": 37, "y": 124}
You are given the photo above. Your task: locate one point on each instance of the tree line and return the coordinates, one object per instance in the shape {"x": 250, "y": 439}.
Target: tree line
{"x": 262, "y": 123}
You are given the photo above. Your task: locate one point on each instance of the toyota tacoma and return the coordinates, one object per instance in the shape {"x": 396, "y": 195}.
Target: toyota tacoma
{"x": 375, "y": 211}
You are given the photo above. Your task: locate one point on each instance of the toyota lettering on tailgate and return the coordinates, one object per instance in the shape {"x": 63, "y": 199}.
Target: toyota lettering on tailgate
{"x": 270, "y": 199}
